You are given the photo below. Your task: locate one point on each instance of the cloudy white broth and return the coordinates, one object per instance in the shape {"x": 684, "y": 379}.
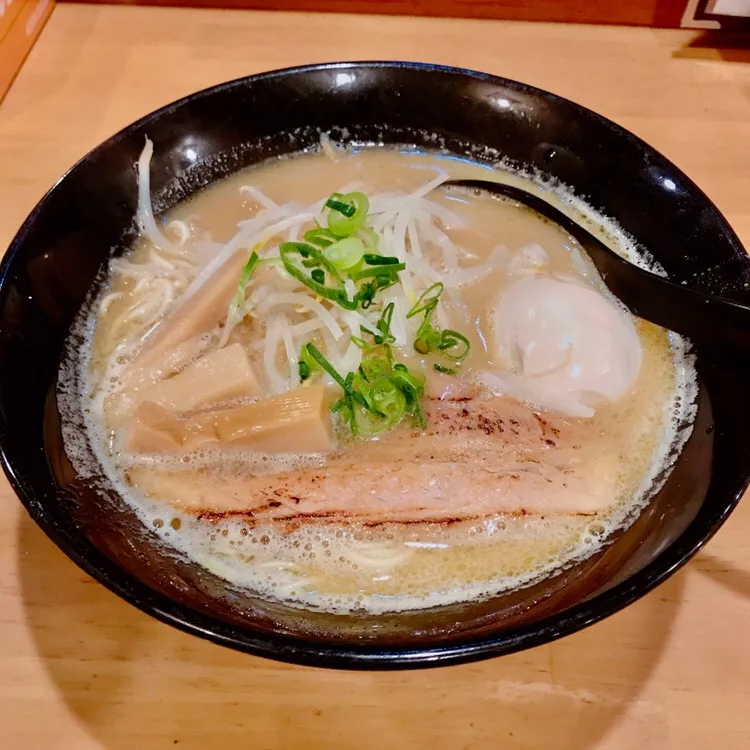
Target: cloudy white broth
{"x": 336, "y": 382}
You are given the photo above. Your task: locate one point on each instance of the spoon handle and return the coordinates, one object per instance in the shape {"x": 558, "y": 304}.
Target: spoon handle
{"x": 705, "y": 319}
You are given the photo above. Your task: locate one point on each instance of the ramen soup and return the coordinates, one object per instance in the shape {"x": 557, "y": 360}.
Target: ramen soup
{"x": 343, "y": 386}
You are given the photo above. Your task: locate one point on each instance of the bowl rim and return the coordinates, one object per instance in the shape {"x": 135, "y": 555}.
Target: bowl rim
{"x": 296, "y": 649}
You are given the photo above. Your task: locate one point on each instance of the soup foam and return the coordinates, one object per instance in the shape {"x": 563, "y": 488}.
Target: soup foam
{"x": 343, "y": 567}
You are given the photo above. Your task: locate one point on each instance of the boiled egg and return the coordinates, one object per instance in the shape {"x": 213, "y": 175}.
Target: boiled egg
{"x": 563, "y": 346}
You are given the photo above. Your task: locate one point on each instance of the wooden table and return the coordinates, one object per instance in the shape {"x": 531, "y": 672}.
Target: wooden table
{"x": 79, "y": 669}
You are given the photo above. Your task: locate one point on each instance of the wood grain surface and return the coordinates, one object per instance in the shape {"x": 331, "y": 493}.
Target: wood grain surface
{"x": 82, "y": 670}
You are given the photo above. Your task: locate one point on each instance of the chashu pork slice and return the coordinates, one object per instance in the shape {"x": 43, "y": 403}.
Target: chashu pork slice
{"x": 477, "y": 458}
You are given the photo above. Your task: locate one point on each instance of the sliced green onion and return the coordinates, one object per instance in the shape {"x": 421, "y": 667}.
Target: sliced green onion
{"x": 403, "y": 376}
{"x": 239, "y": 298}
{"x": 379, "y": 395}
{"x": 345, "y": 253}
{"x": 336, "y": 294}
{"x": 384, "y": 325}
{"x": 380, "y": 260}
{"x": 418, "y": 413}
{"x": 446, "y": 370}
{"x": 366, "y": 294}
{"x": 318, "y": 275}
{"x": 315, "y": 353}
{"x": 361, "y": 343}
{"x": 413, "y": 389}
{"x": 307, "y": 365}
{"x": 388, "y": 271}
{"x": 343, "y": 208}
{"x": 427, "y": 301}
{"x": 450, "y": 339}
{"x": 427, "y": 338}
{"x": 374, "y": 368}
{"x": 348, "y": 213}
{"x": 350, "y": 405}
{"x": 314, "y": 257}
{"x": 320, "y": 237}
{"x": 421, "y": 346}
{"x": 387, "y": 404}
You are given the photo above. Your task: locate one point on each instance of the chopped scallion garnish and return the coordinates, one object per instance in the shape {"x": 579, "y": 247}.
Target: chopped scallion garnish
{"x": 345, "y": 253}
{"x": 320, "y": 237}
{"x": 388, "y": 271}
{"x": 387, "y": 406}
{"x": 427, "y": 301}
{"x": 380, "y": 394}
{"x": 307, "y": 364}
{"x": 361, "y": 343}
{"x": 341, "y": 263}
{"x": 380, "y": 260}
{"x": 449, "y": 343}
{"x": 336, "y": 293}
{"x": 450, "y": 339}
{"x": 446, "y": 370}
{"x": 347, "y": 209}
{"x": 413, "y": 389}
{"x": 348, "y": 213}
{"x": 316, "y": 355}
{"x": 239, "y": 298}
{"x": 384, "y": 325}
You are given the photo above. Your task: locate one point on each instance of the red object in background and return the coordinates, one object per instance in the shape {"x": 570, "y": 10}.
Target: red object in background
{"x": 659, "y": 13}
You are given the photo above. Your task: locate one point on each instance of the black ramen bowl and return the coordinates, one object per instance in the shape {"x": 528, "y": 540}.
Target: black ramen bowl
{"x": 54, "y": 260}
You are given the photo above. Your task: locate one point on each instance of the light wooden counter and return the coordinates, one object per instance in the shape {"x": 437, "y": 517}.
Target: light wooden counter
{"x": 79, "y": 669}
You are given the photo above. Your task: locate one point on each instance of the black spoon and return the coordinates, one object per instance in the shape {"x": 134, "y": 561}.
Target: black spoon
{"x": 703, "y": 318}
